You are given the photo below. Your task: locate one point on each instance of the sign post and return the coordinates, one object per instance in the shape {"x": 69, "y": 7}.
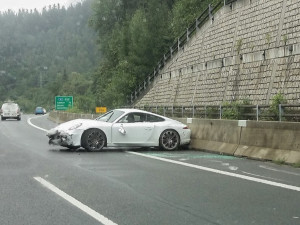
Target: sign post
{"x": 63, "y": 102}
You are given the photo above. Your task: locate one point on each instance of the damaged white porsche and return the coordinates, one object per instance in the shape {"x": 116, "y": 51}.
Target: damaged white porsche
{"x": 121, "y": 128}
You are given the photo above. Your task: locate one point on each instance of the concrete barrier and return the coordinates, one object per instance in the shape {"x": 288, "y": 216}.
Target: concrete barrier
{"x": 276, "y": 141}
{"x": 214, "y": 135}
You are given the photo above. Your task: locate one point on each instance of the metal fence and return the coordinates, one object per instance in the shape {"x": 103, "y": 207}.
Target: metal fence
{"x": 281, "y": 112}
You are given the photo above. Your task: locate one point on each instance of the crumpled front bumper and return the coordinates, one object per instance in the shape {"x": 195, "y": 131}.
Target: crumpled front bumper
{"x": 63, "y": 138}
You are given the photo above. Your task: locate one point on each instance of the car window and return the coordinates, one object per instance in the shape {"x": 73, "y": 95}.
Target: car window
{"x": 129, "y": 118}
{"x": 110, "y": 116}
{"x": 10, "y": 106}
{"x": 140, "y": 117}
{"x": 153, "y": 118}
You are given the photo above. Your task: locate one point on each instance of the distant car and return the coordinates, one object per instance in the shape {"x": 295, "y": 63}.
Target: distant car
{"x": 39, "y": 110}
{"x": 10, "y": 110}
{"x": 121, "y": 128}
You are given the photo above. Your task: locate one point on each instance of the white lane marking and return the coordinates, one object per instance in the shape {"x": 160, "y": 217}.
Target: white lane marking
{"x": 286, "y": 186}
{"x": 102, "y": 219}
{"x": 256, "y": 175}
{"x": 31, "y": 124}
{"x": 276, "y": 170}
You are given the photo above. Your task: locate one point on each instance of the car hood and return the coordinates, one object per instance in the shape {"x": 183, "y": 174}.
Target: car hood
{"x": 67, "y": 125}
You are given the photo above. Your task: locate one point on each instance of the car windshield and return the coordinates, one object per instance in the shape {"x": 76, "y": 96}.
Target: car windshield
{"x": 11, "y": 106}
{"x": 110, "y": 116}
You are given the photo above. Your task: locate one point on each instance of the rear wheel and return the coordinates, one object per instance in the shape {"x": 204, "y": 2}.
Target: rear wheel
{"x": 93, "y": 140}
{"x": 169, "y": 140}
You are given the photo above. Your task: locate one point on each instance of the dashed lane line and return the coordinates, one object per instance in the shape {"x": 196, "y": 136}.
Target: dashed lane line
{"x": 97, "y": 216}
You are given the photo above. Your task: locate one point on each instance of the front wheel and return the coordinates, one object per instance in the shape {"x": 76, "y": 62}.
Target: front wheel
{"x": 169, "y": 140}
{"x": 93, "y": 140}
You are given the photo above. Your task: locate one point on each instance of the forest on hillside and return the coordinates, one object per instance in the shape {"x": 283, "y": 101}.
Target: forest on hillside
{"x": 96, "y": 51}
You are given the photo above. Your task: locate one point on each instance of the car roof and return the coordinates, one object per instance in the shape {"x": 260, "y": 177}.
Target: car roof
{"x": 127, "y": 110}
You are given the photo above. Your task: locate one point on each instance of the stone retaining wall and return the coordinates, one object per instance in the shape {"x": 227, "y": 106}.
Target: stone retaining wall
{"x": 250, "y": 50}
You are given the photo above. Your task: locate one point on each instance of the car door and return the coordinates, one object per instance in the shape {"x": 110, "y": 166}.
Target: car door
{"x": 134, "y": 132}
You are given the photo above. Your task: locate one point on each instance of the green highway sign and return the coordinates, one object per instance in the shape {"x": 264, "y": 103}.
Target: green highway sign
{"x": 63, "y": 102}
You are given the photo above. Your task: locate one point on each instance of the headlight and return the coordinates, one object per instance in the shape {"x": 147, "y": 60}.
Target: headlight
{"x": 75, "y": 126}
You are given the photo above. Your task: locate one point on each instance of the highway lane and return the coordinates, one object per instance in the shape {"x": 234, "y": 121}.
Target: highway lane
{"x": 125, "y": 186}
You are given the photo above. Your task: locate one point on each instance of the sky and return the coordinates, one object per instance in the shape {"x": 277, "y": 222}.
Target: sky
{"x": 15, "y": 5}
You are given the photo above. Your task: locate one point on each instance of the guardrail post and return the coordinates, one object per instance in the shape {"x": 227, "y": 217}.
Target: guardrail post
{"x": 220, "y": 109}
{"x": 178, "y": 44}
{"x": 205, "y": 112}
{"x": 210, "y": 12}
{"x": 197, "y": 24}
{"x": 172, "y": 111}
{"x": 257, "y": 112}
{"x": 171, "y": 52}
{"x": 187, "y": 35}
{"x": 182, "y": 109}
{"x": 164, "y": 110}
{"x": 193, "y": 111}
{"x": 280, "y": 112}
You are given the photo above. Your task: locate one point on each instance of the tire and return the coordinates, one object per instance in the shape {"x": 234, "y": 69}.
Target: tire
{"x": 169, "y": 140}
{"x": 93, "y": 140}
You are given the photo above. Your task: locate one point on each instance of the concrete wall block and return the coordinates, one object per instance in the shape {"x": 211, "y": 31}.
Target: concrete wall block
{"x": 252, "y": 57}
{"x": 275, "y": 53}
{"x": 296, "y": 49}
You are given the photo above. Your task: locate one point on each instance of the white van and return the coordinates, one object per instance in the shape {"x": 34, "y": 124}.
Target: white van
{"x": 10, "y": 110}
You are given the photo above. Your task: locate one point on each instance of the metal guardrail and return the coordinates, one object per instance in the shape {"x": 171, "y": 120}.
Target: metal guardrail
{"x": 283, "y": 112}
{"x": 179, "y": 44}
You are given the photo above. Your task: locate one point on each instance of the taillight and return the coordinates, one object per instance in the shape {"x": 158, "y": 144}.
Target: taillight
{"x": 185, "y": 127}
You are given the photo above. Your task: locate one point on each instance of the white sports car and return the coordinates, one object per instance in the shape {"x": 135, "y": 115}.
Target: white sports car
{"x": 121, "y": 128}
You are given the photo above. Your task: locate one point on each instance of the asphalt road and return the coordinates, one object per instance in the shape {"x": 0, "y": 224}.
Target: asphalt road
{"x": 42, "y": 184}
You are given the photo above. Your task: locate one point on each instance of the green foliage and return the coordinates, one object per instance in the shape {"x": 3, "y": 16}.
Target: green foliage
{"x": 185, "y": 13}
{"x": 39, "y": 51}
{"x": 131, "y": 42}
{"x": 231, "y": 110}
{"x": 274, "y": 107}
{"x": 238, "y": 45}
{"x": 235, "y": 110}
{"x": 285, "y": 39}
{"x": 53, "y": 53}
{"x": 213, "y": 112}
{"x": 268, "y": 38}
{"x": 296, "y": 165}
